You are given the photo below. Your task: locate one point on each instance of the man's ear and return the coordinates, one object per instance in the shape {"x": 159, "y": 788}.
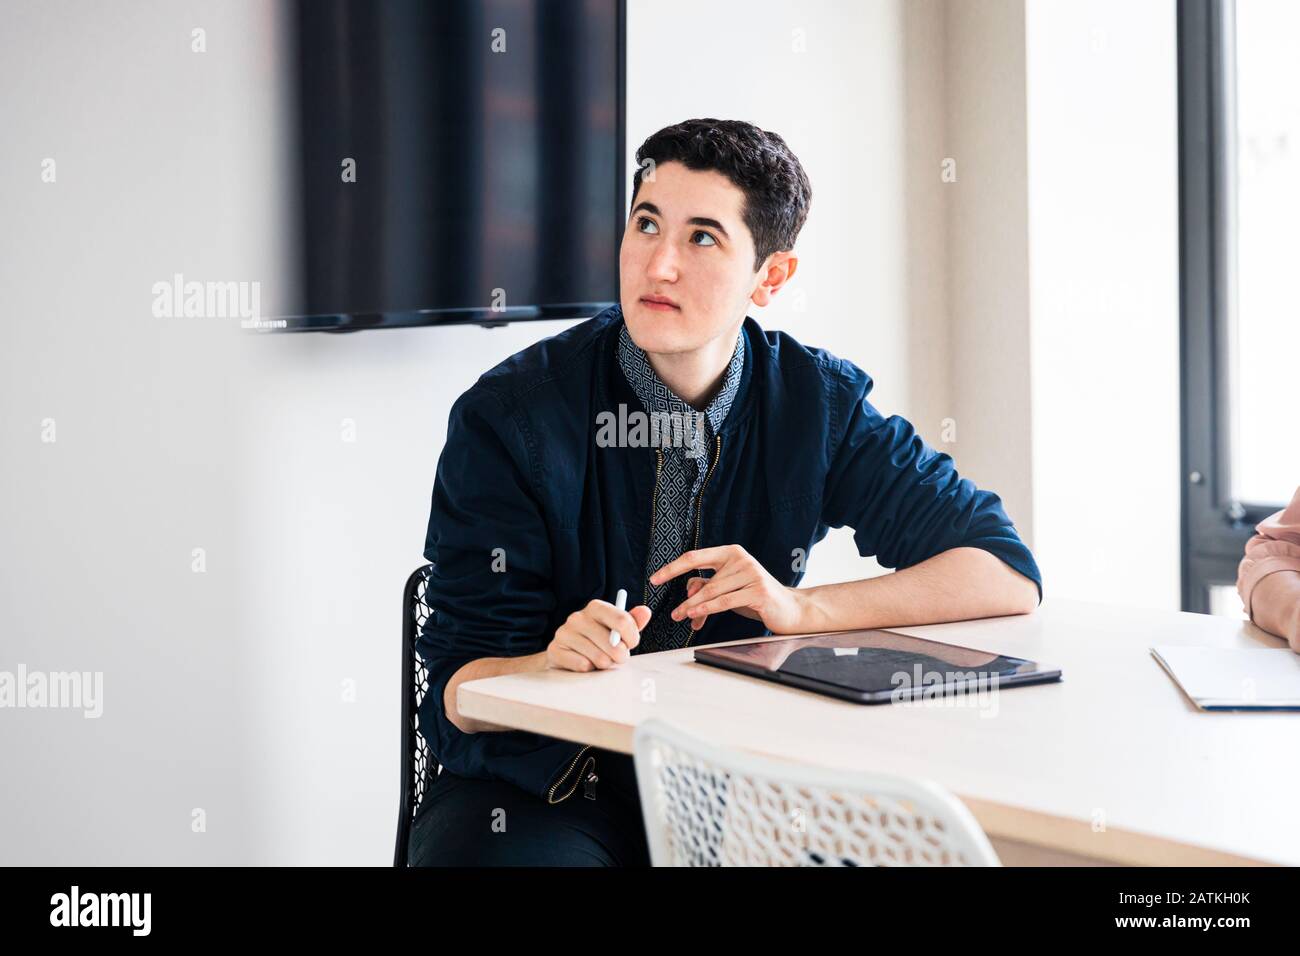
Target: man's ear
{"x": 777, "y": 271}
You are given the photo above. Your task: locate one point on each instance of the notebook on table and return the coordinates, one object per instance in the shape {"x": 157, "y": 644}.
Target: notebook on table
{"x": 1234, "y": 678}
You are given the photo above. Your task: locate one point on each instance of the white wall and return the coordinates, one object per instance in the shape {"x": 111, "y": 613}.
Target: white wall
{"x": 1063, "y": 283}
{"x": 1103, "y": 239}
{"x": 988, "y": 250}
{"x": 223, "y": 690}
{"x": 166, "y": 161}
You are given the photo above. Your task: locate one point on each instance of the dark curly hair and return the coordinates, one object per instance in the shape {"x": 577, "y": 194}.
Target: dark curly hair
{"x": 777, "y": 191}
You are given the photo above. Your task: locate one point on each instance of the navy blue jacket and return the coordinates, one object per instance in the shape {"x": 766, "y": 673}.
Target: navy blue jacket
{"x": 531, "y": 518}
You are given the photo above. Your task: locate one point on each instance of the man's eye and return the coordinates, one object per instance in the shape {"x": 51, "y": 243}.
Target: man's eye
{"x": 643, "y": 220}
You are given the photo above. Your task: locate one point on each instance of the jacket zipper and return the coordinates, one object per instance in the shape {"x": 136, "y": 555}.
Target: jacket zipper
{"x": 550, "y": 797}
{"x": 654, "y": 504}
{"x": 588, "y": 775}
{"x": 699, "y": 508}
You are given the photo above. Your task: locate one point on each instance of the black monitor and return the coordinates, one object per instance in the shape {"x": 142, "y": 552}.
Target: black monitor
{"x": 458, "y": 161}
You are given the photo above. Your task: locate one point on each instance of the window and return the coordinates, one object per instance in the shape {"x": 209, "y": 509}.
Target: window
{"x": 1225, "y": 601}
{"x": 1264, "y": 326}
{"x": 1239, "y": 198}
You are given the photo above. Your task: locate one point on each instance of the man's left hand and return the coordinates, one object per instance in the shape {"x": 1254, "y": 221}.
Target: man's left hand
{"x": 739, "y": 584}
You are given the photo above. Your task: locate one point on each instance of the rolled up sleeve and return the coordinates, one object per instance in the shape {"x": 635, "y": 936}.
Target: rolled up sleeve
{"x": 905, "y": 500}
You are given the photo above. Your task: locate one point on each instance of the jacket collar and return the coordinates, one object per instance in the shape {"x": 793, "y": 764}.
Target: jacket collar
{"x": 656, "y": 396}
{"x": 612, "y": 385}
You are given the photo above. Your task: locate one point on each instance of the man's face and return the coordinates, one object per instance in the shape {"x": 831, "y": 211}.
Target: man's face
{"x": 685, "y": 240}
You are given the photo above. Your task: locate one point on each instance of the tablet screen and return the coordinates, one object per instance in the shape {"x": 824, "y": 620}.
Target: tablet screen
{"x": 874, "y": 661}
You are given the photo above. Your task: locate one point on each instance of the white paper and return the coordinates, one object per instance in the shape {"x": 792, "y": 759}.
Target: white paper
{"x": 1234, "y": 677}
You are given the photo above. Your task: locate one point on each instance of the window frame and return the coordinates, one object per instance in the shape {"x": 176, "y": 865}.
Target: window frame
{"x": 1215, "y": 527}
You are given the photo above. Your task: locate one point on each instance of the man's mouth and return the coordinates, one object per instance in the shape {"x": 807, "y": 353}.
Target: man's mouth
{"x": 659, "y": 303}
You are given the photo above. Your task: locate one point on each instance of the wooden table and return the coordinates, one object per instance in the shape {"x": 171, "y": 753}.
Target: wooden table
{"x": 1113, "y": 765}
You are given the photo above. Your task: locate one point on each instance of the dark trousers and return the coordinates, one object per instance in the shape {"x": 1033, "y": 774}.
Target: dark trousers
{"x": 464, "y": 821}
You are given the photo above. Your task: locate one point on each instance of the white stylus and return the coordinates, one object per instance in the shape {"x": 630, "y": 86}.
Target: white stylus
{"x": 620, "y": 602}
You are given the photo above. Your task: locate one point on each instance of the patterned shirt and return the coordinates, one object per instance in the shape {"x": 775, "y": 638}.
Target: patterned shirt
{"x": 686, "y": 461}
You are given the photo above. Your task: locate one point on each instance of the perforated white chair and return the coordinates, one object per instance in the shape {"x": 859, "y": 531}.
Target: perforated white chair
{"x": 709, "y": 806}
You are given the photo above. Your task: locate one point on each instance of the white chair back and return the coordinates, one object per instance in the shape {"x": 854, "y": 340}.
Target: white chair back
{"x": 709, "y": 806}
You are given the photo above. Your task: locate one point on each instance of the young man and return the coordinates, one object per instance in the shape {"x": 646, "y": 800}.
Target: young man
{"x": 542, "y": 509}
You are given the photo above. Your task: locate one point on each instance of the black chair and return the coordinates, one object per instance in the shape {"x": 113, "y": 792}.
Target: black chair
{"x": 418, "y": 763}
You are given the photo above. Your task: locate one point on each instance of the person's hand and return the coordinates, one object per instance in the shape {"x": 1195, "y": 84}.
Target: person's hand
{"x": 582, "y": 642}
{"x": 739, "y": 583}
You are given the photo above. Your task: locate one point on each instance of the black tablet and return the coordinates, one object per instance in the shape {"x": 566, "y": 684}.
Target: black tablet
{"x": 877, "y": 666}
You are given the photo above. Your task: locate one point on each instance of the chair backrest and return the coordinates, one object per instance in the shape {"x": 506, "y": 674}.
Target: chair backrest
{"x": 708, "y": 806}
{"x": 418, "y": 764}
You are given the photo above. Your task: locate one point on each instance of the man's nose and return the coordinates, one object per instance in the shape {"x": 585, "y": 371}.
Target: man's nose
{"x": 663, "y": 263}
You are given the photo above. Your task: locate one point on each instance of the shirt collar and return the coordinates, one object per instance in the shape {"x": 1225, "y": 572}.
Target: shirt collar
{"x": 658, "y": 397}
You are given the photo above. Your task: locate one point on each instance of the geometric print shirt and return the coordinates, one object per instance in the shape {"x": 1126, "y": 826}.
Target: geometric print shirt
{"x": 687, "y": 450}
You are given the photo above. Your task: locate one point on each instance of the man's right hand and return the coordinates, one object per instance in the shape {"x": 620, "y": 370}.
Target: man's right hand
{"x": 582, "y": 642}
